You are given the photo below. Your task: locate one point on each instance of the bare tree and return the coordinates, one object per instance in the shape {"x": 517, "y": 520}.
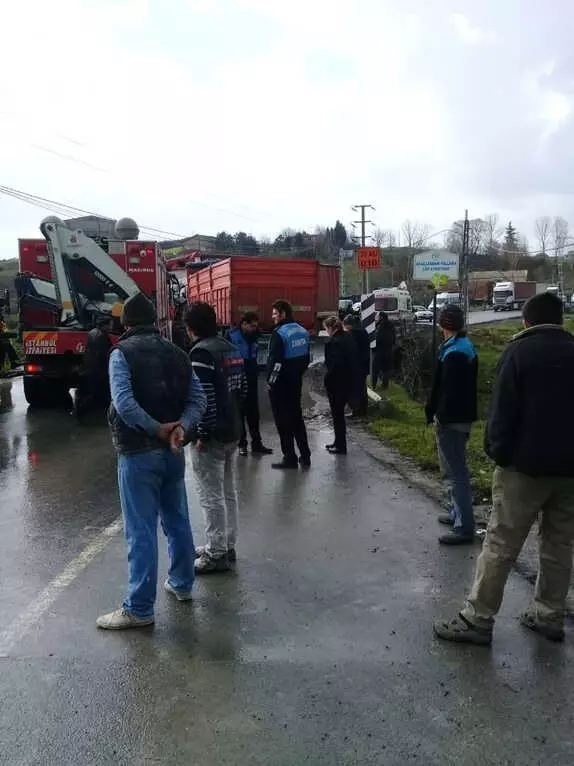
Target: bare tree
{"x": 415, "y": 234}
{"x": 477, "y": 237}
{"x": 493, "y": 231}
{"x": 543, "y": 232}
{"x": 560, "y": 236}
{"x": 384, "y": 238}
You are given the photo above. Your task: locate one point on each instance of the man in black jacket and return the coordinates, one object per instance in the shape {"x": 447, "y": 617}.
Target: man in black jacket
{"x": 359, "y": 398}
{"x": 340, "y": 379}
{"x": 219, "y": 367}
{"x": 93, "y": 391}
{"x": 452, "y": 408}
{"x": 528, "y": 437}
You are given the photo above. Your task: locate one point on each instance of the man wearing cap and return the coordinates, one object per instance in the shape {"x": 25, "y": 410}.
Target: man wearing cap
{"x": 156, "y": 399}
{"x": 452, "y": 408}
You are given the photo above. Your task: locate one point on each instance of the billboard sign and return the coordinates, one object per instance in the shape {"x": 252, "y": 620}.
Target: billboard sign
{"x": 433, "y": 265}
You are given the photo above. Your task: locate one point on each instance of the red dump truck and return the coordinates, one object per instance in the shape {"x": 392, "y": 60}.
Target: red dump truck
{"x": 247, "y": 283}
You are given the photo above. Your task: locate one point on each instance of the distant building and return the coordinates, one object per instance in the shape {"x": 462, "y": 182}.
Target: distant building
{"x": 199, "y": 243}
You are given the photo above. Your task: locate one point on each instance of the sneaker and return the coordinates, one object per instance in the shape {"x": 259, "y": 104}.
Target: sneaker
{"x": 546, "y": 629}
{"x": 181, "y": 595}
{"x": 260, "y": 449}
{"x": 456, "y": 538}
{"x": 243, "y": 451}
{"x": 286, "y": 465}
{"x": 231, "y": 553}
{"x": 446, "y": 519}
{"x": 461, "y": 631}
{"x": 207, "y": 564}
{"x": 121, "y": 620}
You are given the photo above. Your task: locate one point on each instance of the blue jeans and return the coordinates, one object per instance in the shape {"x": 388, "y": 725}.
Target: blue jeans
{"x": 451, "y": 445}
{"x": 152, "y": 484}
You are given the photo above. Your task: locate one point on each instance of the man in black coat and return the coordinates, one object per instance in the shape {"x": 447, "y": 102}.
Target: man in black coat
{"x": 93, "y": 392}
{"x": 359, "y": 398}
{"x": 341, "y": 361}
{"x": 528, "y": 435}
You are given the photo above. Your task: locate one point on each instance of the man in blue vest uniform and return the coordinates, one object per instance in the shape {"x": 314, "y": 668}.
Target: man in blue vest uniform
{"x": 245, "y": 338}
{"x": 289, "y": 357}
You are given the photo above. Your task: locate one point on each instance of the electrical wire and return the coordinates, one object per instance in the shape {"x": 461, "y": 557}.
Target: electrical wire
{"x": 63, "y": 209}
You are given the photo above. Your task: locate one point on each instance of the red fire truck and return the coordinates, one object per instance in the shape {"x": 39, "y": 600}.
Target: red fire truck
{"x": 67, "y": 282}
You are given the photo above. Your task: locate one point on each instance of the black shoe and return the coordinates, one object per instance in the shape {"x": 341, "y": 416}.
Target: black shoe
{"x": 260, "y": 449}
{"x": 456, "y": 538}
{"x": 330, "y": 446}
{"x": 286, "y": 465}
{"x": 305, "y": 462}
{"x": 337, "y": 451}
{"x": 243, "y": 451}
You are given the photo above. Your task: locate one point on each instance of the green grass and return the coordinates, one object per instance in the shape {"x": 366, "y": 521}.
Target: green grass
{"x": 400, "y": 421}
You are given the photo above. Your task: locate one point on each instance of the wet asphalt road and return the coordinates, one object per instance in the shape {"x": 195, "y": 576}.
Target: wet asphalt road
{"x": 318, "y": 650}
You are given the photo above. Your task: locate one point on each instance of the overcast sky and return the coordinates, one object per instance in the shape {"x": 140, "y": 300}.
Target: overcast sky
{"x": 203, "y": 115}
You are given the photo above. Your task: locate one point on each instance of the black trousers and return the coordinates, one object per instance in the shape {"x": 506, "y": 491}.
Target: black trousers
{"x": 288, "y": 415}
{"x": 338, "y": 401}
{"x": 7, "y": 350}
{"x": 250, "y": 416}
{"x": 360, "y": 401}
{"x": 382, "y": 368}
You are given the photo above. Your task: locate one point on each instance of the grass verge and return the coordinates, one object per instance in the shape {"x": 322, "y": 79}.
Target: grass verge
{"x": 400, "y": 421}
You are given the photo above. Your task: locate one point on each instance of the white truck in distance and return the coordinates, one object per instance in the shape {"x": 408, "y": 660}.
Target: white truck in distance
{"x": 511, "y": 296}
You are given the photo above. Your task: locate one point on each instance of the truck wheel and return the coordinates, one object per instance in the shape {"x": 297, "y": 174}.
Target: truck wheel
{"x": 46, "y": 393}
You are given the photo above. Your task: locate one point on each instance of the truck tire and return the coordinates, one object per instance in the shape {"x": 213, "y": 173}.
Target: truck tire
{"x": 47, "y": 394}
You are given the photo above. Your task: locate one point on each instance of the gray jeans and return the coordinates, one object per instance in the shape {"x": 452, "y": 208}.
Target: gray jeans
{"x": 215, "y": 473}
{"x": 451, "y": 444}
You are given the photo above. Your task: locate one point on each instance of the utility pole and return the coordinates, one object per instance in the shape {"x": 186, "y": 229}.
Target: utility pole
{"x": 464, "y": 265}
{"x": 363, "y": 222}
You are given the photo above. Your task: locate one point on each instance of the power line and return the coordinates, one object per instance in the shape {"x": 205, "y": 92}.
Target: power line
{"x": 62, "y": 208}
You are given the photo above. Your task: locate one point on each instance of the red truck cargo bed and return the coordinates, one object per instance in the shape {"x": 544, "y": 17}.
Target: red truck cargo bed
{"x": 245, "y": 283}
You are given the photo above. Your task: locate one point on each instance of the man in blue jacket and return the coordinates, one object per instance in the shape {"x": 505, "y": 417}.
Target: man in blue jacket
{"x": 452, "y": 408}
{"x": 156, "y": 399}
{"x": 245, "y": 338}
{"x": 289, "y": 357}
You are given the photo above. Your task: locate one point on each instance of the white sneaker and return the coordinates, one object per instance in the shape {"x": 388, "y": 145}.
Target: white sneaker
{"x": 121, "y": 620}
{"x": 181, "y": 595}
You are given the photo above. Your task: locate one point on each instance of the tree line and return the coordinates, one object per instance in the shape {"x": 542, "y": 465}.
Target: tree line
{"x": 324, "y": 243}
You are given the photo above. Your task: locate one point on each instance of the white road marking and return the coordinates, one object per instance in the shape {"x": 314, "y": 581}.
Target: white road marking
{"x": 22, "y": 625}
